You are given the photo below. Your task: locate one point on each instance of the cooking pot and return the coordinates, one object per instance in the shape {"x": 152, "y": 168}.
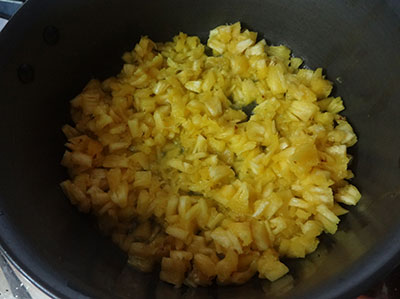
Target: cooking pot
{"x": 50, "y": 49}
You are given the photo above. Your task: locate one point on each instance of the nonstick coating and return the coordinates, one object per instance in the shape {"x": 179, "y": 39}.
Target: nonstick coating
{"x": 50, "y": 49}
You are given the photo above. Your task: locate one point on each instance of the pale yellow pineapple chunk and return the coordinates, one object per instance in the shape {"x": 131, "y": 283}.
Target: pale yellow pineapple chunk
{"x": 227, "y": 266}
{"x": 120, "y": 195}
{"x": 142, "y": 179}
{"x": 276, "y": 79}
{"x": 242, "y": 231}
{"x": 240, "y": 200}
{"x": 304, "y": 158}
{"x": 321, "y": 87}
{"x": 270, "y": 267}
{"x": 304, "y": 110}
{"x": 173, "y": 270}
{"x": 348, "y": 195}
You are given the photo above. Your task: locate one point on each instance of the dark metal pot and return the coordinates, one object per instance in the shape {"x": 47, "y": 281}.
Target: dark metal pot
{"x": 50, "y": 49}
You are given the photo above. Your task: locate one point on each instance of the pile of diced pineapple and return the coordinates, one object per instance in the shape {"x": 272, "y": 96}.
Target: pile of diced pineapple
{"x": 179, "y": 175}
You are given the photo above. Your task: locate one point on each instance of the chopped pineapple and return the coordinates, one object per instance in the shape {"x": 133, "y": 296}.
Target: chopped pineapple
{"x": 164, "y": 155}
